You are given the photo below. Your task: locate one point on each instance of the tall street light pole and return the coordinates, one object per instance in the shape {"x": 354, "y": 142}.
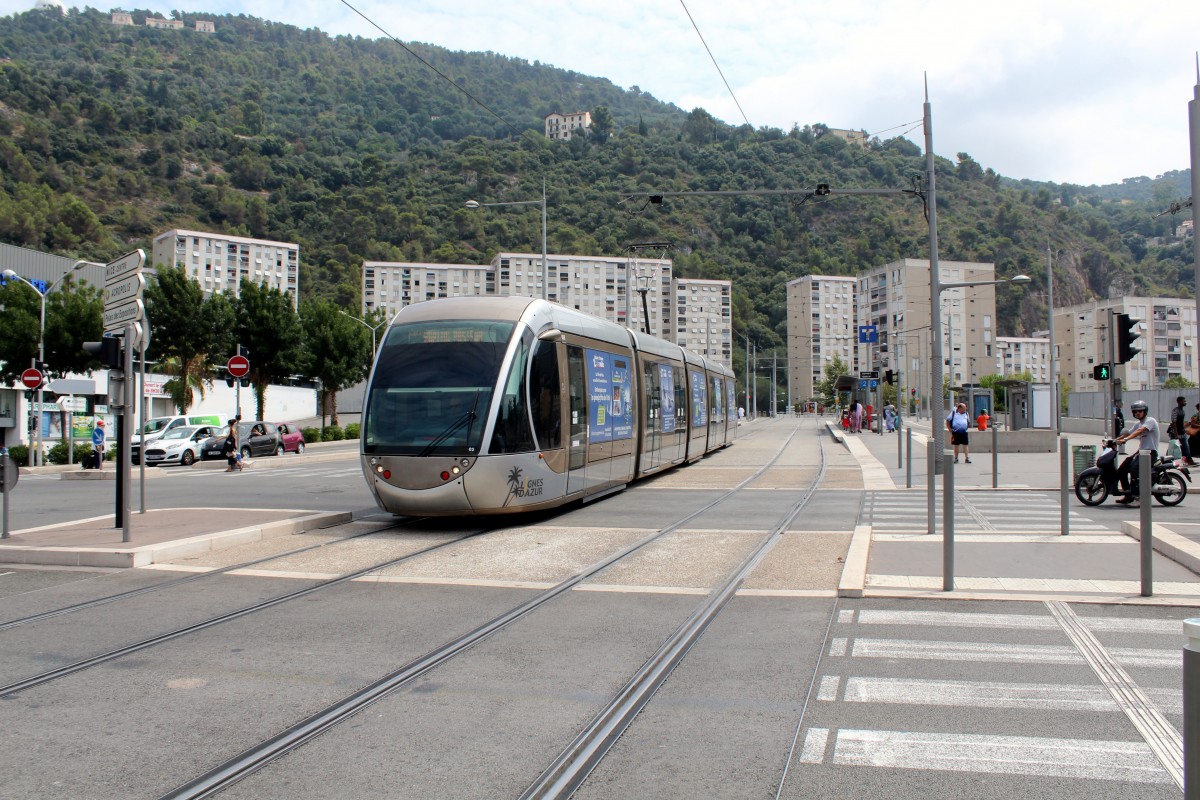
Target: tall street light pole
{"x": 937, "y": 409}
{"x": 473, "y": 204}
{"x": 10, "y": 275}
{"x": 1194, "y": 132}
{"x": 372, "y": 328}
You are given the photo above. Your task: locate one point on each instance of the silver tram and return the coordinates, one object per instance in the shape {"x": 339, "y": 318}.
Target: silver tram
{"x": 485, "y": 405}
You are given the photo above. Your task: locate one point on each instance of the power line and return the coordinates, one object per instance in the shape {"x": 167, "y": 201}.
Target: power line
{"x": 715, "y": 64}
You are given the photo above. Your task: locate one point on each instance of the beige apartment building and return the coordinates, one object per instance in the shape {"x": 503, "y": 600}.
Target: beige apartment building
{"x": 564, "y": 126}
{"x": 221, "y": 263}
{"x": 1167, "y": 328}
{"x": 821, "y": 325}
{"x": 1015, "y": 355}
{"x": 703, "y": 317}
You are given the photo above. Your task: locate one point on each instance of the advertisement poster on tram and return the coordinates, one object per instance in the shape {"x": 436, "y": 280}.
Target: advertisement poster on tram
{"x": 610, "y": 414}
{"x": 666, "y": 388}
{"x": 699, "y": 400}
{"x": 622, "y": 405}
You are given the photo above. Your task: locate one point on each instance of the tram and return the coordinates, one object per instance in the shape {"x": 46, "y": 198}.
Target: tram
{"x": 487, "y": 405}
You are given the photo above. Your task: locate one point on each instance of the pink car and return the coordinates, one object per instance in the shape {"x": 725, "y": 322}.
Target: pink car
{"x": 293, "y": 439}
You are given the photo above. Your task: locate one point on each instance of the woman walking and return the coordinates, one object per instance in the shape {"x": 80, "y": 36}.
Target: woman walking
{"x": 231, "y": 447}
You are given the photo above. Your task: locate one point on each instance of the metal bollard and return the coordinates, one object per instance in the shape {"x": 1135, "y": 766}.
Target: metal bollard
{"x": 948, "y": 525}
{"x": 1147, "y": 524}
{"x": 931, "y": 489}
{"x": 1191, "y": 710}
{"x": 1064, "y": 480}
{"x": 908, "y": 447}
{"x": 995, "y": 459}
{"x": 899, "y": 446}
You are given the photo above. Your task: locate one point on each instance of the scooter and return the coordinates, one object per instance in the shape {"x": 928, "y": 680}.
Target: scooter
{"x": 1169, "y": 480}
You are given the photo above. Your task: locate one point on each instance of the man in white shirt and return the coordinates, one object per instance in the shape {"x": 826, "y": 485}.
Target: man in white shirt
{"x": 957, "y": 423}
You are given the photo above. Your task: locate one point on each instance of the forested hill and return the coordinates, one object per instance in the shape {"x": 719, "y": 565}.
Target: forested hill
{"x": 357, "y": 150}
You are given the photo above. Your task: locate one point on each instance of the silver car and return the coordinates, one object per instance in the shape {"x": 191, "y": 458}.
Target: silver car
{"x": 179, "y": 445}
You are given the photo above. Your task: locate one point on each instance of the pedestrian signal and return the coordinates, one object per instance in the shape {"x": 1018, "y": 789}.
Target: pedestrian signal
{"x": 1101, "y": 372}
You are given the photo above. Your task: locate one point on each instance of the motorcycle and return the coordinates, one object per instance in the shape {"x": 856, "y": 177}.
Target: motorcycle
{"x": 1169, "y": 480}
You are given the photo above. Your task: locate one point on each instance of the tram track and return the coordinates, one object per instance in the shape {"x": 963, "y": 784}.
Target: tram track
{"x": 582, "y": 755}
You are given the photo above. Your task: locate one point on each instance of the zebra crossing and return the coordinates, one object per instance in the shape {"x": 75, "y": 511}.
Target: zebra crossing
{"x": 1043, "y": 693}
{"x": 983, "y": 513}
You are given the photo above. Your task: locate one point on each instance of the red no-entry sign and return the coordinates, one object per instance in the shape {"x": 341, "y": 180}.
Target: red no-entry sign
{"x": 31, "y": 378}
{"x": 238, "y": 366}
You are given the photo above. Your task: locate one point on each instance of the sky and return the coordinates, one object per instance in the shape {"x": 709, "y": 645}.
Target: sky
{"x": 1057, "y": 90}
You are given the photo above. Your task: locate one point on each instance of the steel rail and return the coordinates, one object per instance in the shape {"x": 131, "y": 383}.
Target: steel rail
{"x": 170, "y": 584}
{"x": 251, "y": 760}
{"x": 79, "y": 666}
{"x": 576, "y": 762}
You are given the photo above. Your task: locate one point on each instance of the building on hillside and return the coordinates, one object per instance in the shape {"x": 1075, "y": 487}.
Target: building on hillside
{"x": 1015, "y": 355}
{"x": 122, "y": 18}
{"x": 703, "y": 321}
{"x": 564, "y": 126}
{"x": 858, "y": 138}
{"x": 164, "y": 24}
{"x": 221, "y": 263}
{"x": 205, "y": 26}
{"x": 1167, "y": 330}
{"x": 821, "y": 326}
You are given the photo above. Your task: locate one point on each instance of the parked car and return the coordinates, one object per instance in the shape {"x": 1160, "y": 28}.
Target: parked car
{"x": 293, "y": 439}
{"x": 156, "y": 427}
{"x": 179, "y": 445}
{"x": 255, "y": 438}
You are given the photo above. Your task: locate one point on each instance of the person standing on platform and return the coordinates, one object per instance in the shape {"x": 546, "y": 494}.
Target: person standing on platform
{"x": 1118, "y": 419}
{"x": 982, "y": 420}
{"x": 1176, "y": 430}
{"x": 957, "y": 423}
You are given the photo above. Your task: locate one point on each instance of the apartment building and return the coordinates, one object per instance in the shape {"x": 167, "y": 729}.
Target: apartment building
{"x": 389, "y": 286}
{"x": 1167, "y": 329}
{"x": 564, "y": 126}
{"x": 1015, "y": 355}
{"x": 821, "y": 325}
{"x": 703, "y": 317}
{"x": 221, "y": 263}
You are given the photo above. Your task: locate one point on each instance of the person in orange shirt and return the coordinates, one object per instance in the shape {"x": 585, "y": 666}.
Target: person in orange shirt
{"x": 982, "y": 420}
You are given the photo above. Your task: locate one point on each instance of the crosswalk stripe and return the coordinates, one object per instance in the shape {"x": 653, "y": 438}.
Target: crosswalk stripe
{"x": 1008, "y": 755}
{"x": 1002, "y": 653}
{"x": 967, "y": 619}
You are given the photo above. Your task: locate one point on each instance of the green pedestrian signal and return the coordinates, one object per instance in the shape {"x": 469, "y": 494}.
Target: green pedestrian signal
{"x": 1101, "y": 372}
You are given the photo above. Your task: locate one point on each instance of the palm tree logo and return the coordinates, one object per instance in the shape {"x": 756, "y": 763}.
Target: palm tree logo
{"x": 514, "y": 484}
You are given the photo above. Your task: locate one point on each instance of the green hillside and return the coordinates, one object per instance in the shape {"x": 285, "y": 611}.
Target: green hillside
{"x": 356, "y": 150}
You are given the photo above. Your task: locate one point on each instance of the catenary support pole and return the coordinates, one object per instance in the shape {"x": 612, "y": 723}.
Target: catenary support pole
{"x": 142, "y": 419}
{"x": 1191, "y": 710}
{"x": 995, "y": 459}
{"x": 1147, "y": 524}
{"x": 908, "y": 448}
{"x": 1064, "y": 488}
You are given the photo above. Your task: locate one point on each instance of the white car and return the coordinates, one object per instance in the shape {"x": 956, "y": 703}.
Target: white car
{"x": 179, "y": 445}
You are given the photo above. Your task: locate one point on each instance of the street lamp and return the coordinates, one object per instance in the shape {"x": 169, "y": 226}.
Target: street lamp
{"x": 10, "y": 275}
{"x": 363, "y": 322}
{"x": 473, "y": 204}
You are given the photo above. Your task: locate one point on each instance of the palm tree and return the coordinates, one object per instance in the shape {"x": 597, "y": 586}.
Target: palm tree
{"x": 187, "y": 379}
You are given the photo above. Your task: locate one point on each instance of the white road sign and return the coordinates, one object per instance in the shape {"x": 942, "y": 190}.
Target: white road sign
{"x": 116, "y": 317}
{"x": 123, "y": 290}
{"x": 130, "y": 262}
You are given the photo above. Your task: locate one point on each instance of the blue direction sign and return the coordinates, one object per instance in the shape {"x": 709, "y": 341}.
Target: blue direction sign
{"x": 868, "y": 334}
{"x": 98, "y": 437}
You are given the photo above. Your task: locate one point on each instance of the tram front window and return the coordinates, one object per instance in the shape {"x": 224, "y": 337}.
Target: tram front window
{"x": 432, "y": 387}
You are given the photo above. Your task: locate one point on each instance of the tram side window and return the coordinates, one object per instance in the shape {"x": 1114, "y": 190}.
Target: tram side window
{"x": 512, "y": 433}
{"x": 545, "y": 395}
{"x": 681, "y": 399}
{"x": 653, "y": 396}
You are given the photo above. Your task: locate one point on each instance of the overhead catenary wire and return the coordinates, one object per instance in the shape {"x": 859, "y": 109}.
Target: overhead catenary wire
{"x": 715, "y": 64}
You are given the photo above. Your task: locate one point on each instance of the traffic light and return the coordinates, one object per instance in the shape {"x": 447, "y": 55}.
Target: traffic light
{"x": 1101, "y": 372}
{"x": 1126, "y": 335}
{"x": 108, "y": 350}
{"x": 889, "y": 377}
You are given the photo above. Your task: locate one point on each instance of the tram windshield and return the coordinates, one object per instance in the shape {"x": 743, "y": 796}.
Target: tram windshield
{"x": 432, "y": 387}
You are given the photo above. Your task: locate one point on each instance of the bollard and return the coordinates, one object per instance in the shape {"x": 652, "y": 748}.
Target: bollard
{"x": 1064, "y": 481}
{"x": 1147, "y": 523}
{"x": 908, "y": 447}
{"x": 1191, "y": 710}
{"x": 899, "y": 446}
{"x": 948, "y": 525}
{"x": 931, "y": 489}
{"x": 995, "y": 459}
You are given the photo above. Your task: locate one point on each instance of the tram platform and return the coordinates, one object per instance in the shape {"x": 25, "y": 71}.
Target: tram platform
{"x": 155, "y": 536}
{"x": 1008, "y": 542}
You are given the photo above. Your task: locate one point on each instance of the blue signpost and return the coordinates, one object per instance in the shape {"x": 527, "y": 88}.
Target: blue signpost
{"x": 868, "y": 334}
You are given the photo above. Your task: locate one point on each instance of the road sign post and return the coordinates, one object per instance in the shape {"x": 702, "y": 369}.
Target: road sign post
{"x": 238, "y": 367}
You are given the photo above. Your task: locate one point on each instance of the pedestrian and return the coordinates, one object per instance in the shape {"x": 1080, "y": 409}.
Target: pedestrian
{"x": 1177, "y": 430}
{"x": 232, "y": 456}
{"x": 957, "y": 423}
{"x": 889, "y": 415}
{"x": 1146, "y": 432}
{"x": 856, "y": 421}
{"x": 1118, "y": 420}
{"x": 982, "y": 420}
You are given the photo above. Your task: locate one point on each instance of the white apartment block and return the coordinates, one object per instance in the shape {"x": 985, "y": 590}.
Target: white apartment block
{"x": 703, "y": 317}
{"x": 1167, "y": 342}
{"x": 621, "y": 290}
{"x": 222, "y": 263}
{"x": 564, "y": 126}
{"x": 1015, "y": 355}
{"x": 821, "y": 320}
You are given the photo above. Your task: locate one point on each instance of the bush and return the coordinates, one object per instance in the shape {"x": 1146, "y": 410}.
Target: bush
{"x": 19, "y": 453}
{"x": 352, "y": 430}
{"x": 311, "y": 434}
{"x": 58, "y": 453}
{"x": 333, "y": 434}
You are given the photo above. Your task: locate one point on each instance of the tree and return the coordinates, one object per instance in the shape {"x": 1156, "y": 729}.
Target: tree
{"x": 1178, "y": 382}
{"x": 826, "y": 387}
{"x": 602, "y": 124}
{"x": 73, "y": 315}
{"x": 338, "y": 348}
{"x": 187, "y": 332}
{"x": 268, "y": 326}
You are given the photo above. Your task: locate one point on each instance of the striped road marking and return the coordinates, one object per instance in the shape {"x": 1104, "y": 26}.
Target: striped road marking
{"x": 997, "y": 653}
{"x": 1004, "y": 755}
{"x": 964, "y": 619}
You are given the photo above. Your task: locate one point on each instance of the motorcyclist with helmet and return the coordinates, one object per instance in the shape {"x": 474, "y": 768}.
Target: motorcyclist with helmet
{"x": 1145, "y": 429}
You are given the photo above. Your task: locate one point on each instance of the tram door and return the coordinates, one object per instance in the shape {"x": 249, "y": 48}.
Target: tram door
{"x": 578, "y": 412}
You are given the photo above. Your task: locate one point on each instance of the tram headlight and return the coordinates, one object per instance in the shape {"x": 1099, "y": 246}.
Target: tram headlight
{"x": 455, "y": 471}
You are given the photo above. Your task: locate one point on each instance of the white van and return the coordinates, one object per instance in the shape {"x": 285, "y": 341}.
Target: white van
{"x": 157, "y": 426}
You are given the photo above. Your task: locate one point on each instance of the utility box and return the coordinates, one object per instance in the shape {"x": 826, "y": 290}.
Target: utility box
{"x": 1083, "y": 456}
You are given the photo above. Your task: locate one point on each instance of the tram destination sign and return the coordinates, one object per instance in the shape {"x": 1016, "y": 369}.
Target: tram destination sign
{"x": 870, "y": 374}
